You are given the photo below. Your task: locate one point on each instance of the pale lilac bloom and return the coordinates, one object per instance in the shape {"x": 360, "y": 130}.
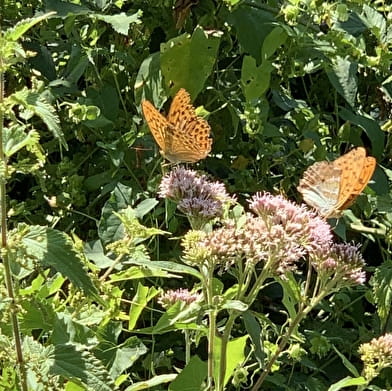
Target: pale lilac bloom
{"x": 343, "y": 262}
{"x": 196, "y": 195}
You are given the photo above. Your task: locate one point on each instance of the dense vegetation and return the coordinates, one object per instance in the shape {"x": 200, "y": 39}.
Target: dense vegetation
{"x": 92, "y": 243}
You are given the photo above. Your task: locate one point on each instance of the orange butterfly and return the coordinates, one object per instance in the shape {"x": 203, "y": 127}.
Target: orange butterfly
{"x": 182, "y": 136}
{"x": 331, "y": 187}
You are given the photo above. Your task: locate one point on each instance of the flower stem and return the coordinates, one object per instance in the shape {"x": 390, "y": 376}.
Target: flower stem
{"x": 4, "y": 253}
{"x": 285, "y": 338}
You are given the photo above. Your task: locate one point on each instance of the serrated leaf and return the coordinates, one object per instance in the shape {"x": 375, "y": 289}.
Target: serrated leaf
{"x": 120, "y": 22}
{"x": 55, "y": 249}
{"x": 110, "y": 227}
{"x": 382, "y": 290}
{"x": 20, "y": 28}
{"x": 344, "y": 78}
{"x": 75, "y": 361}
{"x": 16, "y": 138}
{"x": 36, "y": 103}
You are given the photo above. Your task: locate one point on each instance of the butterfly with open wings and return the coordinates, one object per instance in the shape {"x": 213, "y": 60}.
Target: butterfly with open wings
{"x": 182, "y": 136}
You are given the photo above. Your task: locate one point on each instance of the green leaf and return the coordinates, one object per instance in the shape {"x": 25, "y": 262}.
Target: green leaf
{"x": 235, "y": 355}
{"x": 75, "y": 361}
{"x": 371, "y": 128}
{"x": 273, "y": 41}
{"x": 256, "y": 334}
{"x": 191, "y": 378}
{"x": 16, "y": 138}
{"x": 65, "y": 8}
{"x": 143, "y": 296}
{"x": 120, "y": 22}
{"x": 375, "y": 21}
{"x": 117, "y": 356}
{"x": 347, "y": 363}
{"x": 347, "y": 382}
{"x": 110, "y": 227}
{"x": 291, "y": 293}
{"x": 187, "y": 61}
{"x": 35, "y": 103}
{"x": 344, "y": 78}
{"x": 255, "y": 80}
{"x": 20, "y": 28}
{"x": 382, "y": 291}
{"x": 149, "y": 83}
{"x": 169, "y": 266}
{"x": 145, "y": 206}
{"x": 150, "y": 383}
{"x": 54, "y": 248}
{"x": 252, "y": 25}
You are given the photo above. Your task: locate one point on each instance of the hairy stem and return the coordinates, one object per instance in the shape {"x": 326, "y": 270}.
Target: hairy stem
{"x": 4, "y": 253}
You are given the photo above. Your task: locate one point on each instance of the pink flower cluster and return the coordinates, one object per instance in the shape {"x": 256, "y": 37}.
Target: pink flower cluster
{"x": 343, "y": 261}
{"x": 196, "y": 195}
{"x": 173, "y": 296}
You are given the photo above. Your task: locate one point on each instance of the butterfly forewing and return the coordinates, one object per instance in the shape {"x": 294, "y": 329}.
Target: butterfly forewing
{"x": 183, "y": 137}
{"x": 331, "y": 187}
{"x": 156, "y": 122}
{"x": 361, "y": 182}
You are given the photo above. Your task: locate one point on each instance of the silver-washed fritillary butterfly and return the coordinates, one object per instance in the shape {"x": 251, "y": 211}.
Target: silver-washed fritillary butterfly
{"x": 182, "y": 136}
{"x": 331, "y": 187}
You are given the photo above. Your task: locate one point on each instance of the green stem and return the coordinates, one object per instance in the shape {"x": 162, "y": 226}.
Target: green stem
{"x": 7, "y": 267}
{"x": 285, "y": 338}
{"x": 223, "y": 351}
{"x": 212, "y": 314}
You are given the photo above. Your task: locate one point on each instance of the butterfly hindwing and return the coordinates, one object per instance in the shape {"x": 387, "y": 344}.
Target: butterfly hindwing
{"x": 331, "y": 187}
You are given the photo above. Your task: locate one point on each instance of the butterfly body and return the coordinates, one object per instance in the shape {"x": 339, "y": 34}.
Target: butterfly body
{"x": 182, "y": 136}
{"x": 331, "y": 187}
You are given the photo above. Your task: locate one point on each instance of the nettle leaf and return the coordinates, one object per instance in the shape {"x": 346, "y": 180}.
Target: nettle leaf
{"x": 120, "y": 22}
{"x": 74, "y": 361}
{"x": 35, "y": 103}
{"x": 55, "y": 249}
{"x": 187, "y": 61}
{"x": 16, "y": 138}
{"x": 110, "y": 227}
{"x": 382, "y": 290}
{"x": 375, "y": 21}
{"x": 20, "y": 28}
{"x": 344, "y": 78}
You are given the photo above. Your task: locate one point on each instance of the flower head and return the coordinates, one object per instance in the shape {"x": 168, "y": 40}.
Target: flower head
{"x": 376, "y": 355}
{"x": 343, "y": 262}
{"x": 197, "y": 196}
{"x": 303, "y": 225}
{"x": 173, "y": 296}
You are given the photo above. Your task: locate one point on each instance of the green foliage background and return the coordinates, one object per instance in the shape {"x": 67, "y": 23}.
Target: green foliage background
{"x": 282, "y": 83}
